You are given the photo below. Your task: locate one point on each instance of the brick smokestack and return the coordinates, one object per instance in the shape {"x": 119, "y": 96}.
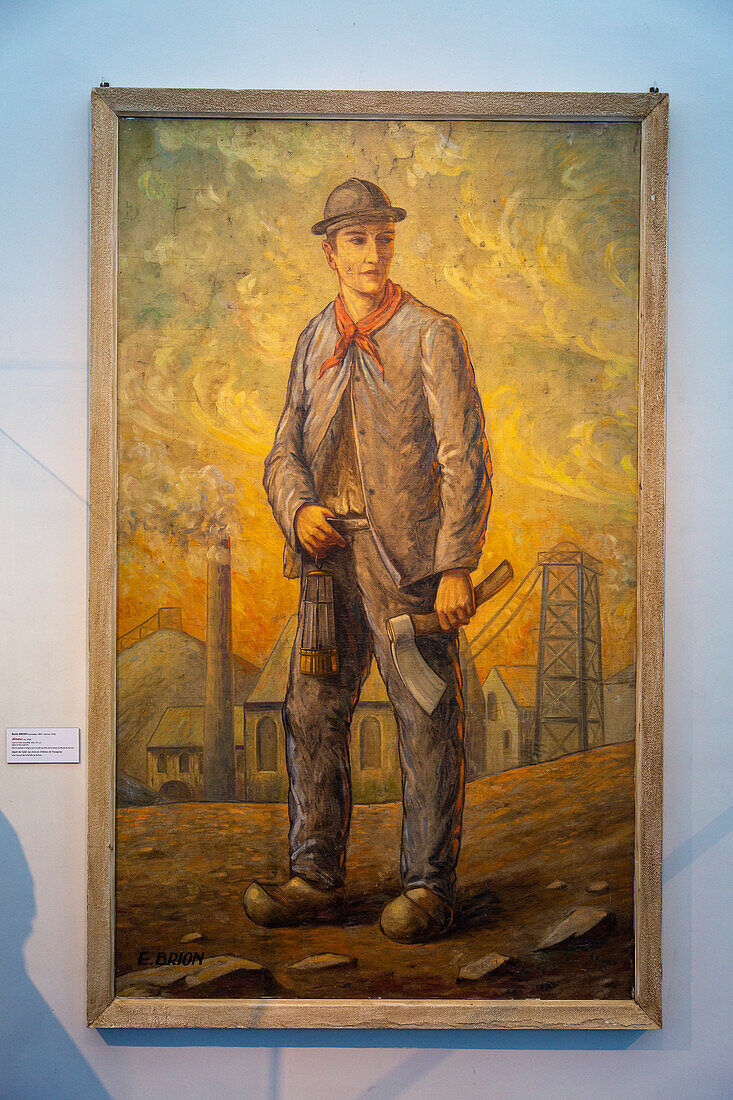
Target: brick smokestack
{"x": 219, "y": 774}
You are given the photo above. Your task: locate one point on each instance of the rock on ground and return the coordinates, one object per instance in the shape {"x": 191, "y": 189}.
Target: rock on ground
{"x": 598, "y": 887}
{"x": 480, "y": 968}
{"x": 219, "y": 966}
{"x": 221, "y": 975}
{"x": 558, "y": 884}
{"x": 316, "y": 963}
{"x": 156, "y": 976}
{"x": 582, "y": 926}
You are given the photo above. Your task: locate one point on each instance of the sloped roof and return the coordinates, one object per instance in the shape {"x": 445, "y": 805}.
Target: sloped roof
{"x": 374, "y": 690}
{"x": 273, "y": 680}
{"x": 183, "y": 728}
{"x": 521, "y": 683}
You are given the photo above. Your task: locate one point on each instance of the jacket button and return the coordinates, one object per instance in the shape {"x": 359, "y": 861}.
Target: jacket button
{"x": 371, "y": 492}
{"x": 362, "y": 431}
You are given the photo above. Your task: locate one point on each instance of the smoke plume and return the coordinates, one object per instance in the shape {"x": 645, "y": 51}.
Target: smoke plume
{"x": 186, "y": 505}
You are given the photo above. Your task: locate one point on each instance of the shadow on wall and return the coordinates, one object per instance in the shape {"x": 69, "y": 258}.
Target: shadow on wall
{"x": 40, "y": 1059}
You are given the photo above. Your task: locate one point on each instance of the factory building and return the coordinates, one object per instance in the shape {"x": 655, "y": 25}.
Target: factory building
{"x": 175, "y": 765}
{"x": 509, "y": 696}
{"x": 375, "y": 768}
{"x": 375, "y": 773}
{"x": 510, "y": 692}
{"x": 176, "y": 754}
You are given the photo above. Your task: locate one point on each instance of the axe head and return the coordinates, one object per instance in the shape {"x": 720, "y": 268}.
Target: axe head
{"x": 425, "y": 687}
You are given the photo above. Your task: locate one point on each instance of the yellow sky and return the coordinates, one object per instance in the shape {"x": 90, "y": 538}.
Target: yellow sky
{"x": 527, "y": 233}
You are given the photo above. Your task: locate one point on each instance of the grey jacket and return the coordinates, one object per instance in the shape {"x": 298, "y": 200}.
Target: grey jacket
{"x": 421, "y": 447}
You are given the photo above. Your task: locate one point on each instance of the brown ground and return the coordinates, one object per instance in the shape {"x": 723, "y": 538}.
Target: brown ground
{"x": 183, "y": 868}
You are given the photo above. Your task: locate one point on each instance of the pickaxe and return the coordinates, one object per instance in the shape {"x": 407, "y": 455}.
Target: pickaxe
{"x": 425, "y": 687}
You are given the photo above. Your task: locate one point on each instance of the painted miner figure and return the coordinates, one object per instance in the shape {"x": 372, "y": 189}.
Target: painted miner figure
{"x": 380, "y": 472}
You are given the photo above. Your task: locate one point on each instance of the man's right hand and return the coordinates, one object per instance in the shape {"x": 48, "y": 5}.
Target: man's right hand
{"x": 313, "y": 531}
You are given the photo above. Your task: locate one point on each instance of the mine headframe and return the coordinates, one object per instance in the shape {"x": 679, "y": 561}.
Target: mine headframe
{"x": 569, "y": 701}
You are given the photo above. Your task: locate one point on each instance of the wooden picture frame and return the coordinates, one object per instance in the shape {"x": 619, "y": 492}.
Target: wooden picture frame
{"x": 104, "y": 1008}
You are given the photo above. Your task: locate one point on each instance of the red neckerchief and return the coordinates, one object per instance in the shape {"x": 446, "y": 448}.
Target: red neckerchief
{"x": 359, "y": 333}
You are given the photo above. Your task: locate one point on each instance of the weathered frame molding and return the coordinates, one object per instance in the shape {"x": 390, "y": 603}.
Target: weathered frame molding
{"x": 645, "y": 1009}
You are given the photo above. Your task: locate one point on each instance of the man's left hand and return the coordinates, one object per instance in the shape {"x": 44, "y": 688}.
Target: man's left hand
{"x": 454, "y": 601}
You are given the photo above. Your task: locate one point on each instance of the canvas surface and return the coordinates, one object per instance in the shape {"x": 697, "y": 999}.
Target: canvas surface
{"x": 528, "y": 235}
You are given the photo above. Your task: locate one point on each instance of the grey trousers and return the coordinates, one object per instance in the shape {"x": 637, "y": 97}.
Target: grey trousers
{"x": 317, "y": 715}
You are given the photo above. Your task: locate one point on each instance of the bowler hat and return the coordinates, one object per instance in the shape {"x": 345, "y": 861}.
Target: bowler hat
{"x": 356, "y": 201}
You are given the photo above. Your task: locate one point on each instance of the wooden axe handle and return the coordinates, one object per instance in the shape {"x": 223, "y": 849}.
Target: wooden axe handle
{"x": 489, "y": 586}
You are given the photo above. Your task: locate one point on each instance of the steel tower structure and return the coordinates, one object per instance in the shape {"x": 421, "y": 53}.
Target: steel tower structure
{"x": 569, "y": 702}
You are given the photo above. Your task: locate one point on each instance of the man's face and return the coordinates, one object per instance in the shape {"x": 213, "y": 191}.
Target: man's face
{"x": 361, "y": 255}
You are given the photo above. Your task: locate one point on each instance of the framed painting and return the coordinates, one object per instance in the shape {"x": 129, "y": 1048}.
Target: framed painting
{"x": 376, "y": 559}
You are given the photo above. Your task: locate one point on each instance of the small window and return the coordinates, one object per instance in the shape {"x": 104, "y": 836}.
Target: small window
{"x": 507, "y": 739}
{"x": 240, "y": 760}
{"x": 370, "y": 743}
{"x": 183, "y": 765}
{"x": 162, "y": 763}
{"x": 266, "y": 745}
{"x": 492, "y": 706}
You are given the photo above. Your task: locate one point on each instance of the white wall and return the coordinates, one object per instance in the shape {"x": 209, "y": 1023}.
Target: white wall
{"x": 50, "y": 56}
